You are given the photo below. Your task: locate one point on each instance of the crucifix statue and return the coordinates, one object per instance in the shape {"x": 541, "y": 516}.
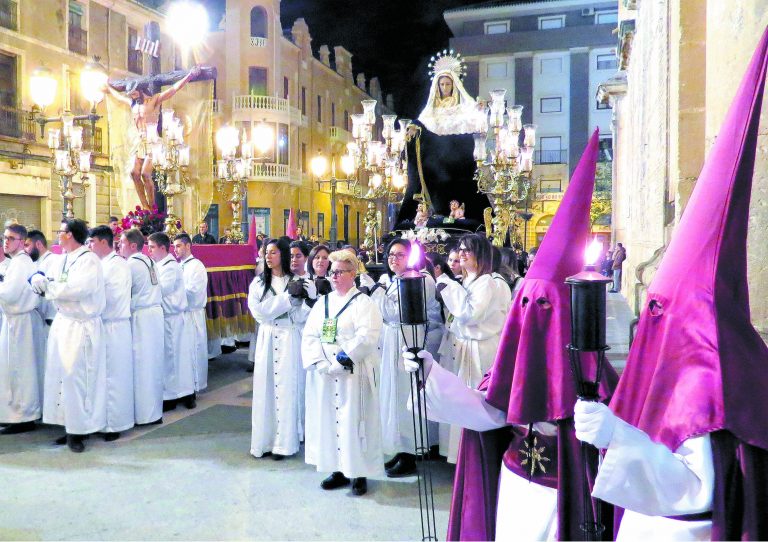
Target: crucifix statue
{"x": 145, "y": 95}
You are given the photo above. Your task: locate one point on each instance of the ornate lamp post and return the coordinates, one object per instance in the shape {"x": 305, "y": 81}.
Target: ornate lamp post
{"x": 234, "y": 171}
{"x": 504, "y": 172}
{"x": 69, "y": 157}
{"x": 319, "y": 166}
{"x": 170, "y": 159}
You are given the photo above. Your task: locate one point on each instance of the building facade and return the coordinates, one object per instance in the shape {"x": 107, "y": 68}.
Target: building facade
{"x": 550, "y": 56}
{"x": 681, "y": 62}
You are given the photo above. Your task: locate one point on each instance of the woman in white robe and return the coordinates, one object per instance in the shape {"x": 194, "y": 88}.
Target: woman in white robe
{"x": 479, "y": 313}
{"x": 277, "y": 428}
{"x": 343, "y": 424}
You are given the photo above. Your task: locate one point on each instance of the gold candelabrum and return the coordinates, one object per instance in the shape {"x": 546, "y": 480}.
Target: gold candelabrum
{"x": 504, "y": 167}
{"x": 170, "y": 160}
{"x": 233, "y": 171}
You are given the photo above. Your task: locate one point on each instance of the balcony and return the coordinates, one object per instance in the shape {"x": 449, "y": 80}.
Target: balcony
{"x": 8, "y": 17}
{"x": 258, "y": 42}
{"x": 337, "y": 133}
{"x": 78, "y": 40}
{"x": 217, "y": 107}
{"x": 92, "y": 141}
{"x": 17, "y": 123}
{"x": 271, "y": 172}
{"x": 559, "y": 156}
{"x": 270, "y": 108}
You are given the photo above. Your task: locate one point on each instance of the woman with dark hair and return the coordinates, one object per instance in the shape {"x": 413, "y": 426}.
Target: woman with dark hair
{"x": 318, "y": 265}
{"x": 277, "y": 303}
{"x": 396, "y": 420}
{"x": 478, "y": 314}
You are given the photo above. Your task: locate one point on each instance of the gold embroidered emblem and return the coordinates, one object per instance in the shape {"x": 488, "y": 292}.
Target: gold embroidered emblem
{"x": 534, "y": 457}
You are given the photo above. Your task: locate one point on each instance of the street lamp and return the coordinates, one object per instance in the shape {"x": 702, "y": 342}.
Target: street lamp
{"x": 319, "y": 166}
{"x": 233, "y": 170}
{"x": 69, "y": 157}
{"x": 170, "y": 160}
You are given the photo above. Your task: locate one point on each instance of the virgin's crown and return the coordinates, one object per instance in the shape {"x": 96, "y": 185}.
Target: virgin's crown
{"x": 447, "y": 61}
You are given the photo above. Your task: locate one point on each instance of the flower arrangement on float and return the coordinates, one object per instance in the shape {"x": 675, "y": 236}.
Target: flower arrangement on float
{"x": 146, "y": 220}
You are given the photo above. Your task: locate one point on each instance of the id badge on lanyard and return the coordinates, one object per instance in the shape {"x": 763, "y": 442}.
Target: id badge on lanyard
{"x": 328, "y": 335}
{"x": 153, "y": 275}
{"x": 63, "y": 277}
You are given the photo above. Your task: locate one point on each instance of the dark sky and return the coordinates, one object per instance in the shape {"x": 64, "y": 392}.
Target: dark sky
{"x": 392, "y": 39}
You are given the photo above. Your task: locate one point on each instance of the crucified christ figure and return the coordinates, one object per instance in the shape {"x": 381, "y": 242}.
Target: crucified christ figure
{"x": 145, "y": 109}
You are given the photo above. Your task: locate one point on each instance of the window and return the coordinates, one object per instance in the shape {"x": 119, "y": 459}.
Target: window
{"x": 603, "y": 105}
{"x": 497, "y": 70}
{"x": 286, "y": 88}
{"x": 346, "y": 223}
{"x": 286, "y": 215}
{"x": 303, "y": 100}
{"x": 347, "y": 127}
{"x": 551, "y": 105}
{"x": 8, "y": 15}
{"x": 304, "y": 222}
{"x": 550, "y": 185}
{"x": 607, "y": 62}
{"x": 212, "y": 219}
{"x": 333, "y": 114}
{"x": 282, "y": 144}
{"x": 319, "y": 108}
{"x": 609, "y": 16}
{"x": 257, "y": 81}
{"x": 262, "y": 219}
{"x": 321, "y": 226}
{"x": 549, "y": 23}
{"x": 10, "y": 119}
{"x": 550, "y": 150}
{"x": 135, "y": 63}
{"x": 606, "y": 149}
{"x": 551, "y": 66}
{"x": 258, "y": 22}
{"x": 497, "y": 27}
{"x": 78, "y": 36}
{"x": 304, "y": 164}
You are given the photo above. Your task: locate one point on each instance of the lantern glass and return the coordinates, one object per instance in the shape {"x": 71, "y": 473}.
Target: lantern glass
{"x": 53, "y": 138}
{"x": 227, "y": 139}
{"x": 530, "y": 135}
{"x": 319, "y": 165}
{"x": 263, "y": 137}
{"x": 369, "y": 111}
{"x": 93, "y": 79}
{"x": 43, "y": 87}
{"x": 85, "y": 161}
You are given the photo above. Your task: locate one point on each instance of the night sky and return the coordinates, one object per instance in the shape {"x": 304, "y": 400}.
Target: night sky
{"x": 392, "y": 39}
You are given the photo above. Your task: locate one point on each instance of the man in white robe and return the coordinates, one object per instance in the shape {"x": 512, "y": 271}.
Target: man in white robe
{"x": 196, "y": 286}
{"x": 76, "y": 365}
{"x": 117, "y": 327}
{"x": 147, "y": 328}
{"x": 179, "y": 380}
{"x": 340, "y": 345}
{"x": 21, "y": 328}
{"x": 37, "y": 248}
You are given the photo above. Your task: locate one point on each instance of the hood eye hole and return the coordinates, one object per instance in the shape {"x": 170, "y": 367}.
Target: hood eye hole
{"x": 655, "y": 307}
{"x": 543, "y": 302}
{"x": 525, "y": 301}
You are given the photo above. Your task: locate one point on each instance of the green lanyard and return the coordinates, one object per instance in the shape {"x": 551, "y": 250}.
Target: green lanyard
{"x": 330, "y": 325}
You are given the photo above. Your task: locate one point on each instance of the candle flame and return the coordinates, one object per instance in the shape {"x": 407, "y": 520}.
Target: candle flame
{"x": 415, "y": 256}
{"x": 592, "y": 253}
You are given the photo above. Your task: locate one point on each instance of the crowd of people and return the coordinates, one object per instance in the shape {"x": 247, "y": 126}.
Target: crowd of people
{"x": 102, "y": 337}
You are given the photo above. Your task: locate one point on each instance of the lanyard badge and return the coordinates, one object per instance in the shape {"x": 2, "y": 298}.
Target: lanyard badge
{"x": 328, "y": 335}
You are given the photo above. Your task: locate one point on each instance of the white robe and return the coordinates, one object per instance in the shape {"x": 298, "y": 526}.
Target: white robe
{"x": 526, "y": 511}
{"x": 196, "y": 286}
{"x": 479, "y": 313}
{"x": 117, "y": 328}
{"x": 45, "y": 264}
{"x": 343, "y": 420}
{"x": 180, "y": 347}
{"x": 278, "y": 393}
{"x": 148, "y": 330}
{"x": 651, "y": 482}
{"x": 21, "y": 348}
{"x": 395, "y": 382}
{"x": 76, "y": 367}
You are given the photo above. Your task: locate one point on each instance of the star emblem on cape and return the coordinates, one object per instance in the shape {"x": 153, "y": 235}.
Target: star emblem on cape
{"x": 534, "y": 458}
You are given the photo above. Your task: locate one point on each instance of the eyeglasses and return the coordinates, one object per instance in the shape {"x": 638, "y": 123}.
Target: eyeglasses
{"x": 339, "y": 272}
{"x": 10, "y": 238}
{"x": 62, "y": 231}
{"x": 465, "y": 250}
{"x": 397, "y": 256}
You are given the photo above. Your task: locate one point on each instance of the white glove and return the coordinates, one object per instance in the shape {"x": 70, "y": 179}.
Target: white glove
{"x": 411, "y": 365}
{"x": 322, "y": 367}
{"x": 336, "y": 369}
{"x": 594, "y": 423}
{"x": 39, "y": 283}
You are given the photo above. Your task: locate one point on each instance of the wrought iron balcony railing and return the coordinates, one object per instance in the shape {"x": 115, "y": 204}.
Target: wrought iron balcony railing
{"x": 8, "y": 18}
{"x": 78, "y": 40}
{"x": 559, "y": 156}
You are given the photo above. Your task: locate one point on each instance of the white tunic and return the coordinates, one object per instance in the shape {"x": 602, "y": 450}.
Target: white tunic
{"x": 395, "y": 384}
{"x": 651, "y": 482}
{"x": 148, "y": 329}
{"x": 180, "y": 344}
{"x": 196, "y": 286}
{"x": 525, "y": 511}
{"x": 45, "y": 264}
{"x": 76, "y": 367}
{"x": 21, "y": 348}
{"x": 479, "y": 313}
{"x": 277, "y": 391}
{"x": 117, "y": 327}
{"x": 343, "y": 420}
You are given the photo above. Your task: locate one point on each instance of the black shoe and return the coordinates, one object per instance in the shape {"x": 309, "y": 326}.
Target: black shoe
{"x": 404, "y": 467}
{"x": 75, "y": 443}
{"x": 228, "y": 349}
{"x": 16, "y": 428}
{"x": 190, "y": 401}
{"x": 613, "y": 291}
{"x": 156, "y": 422}
{"x": 170, "y": 404}
{"x": 278, "y": 457}
{"x": 392, "y": 462}
{"x": 359, "y": 486}
{"x": 242, "y": 344}
{"x": 61, "y": 441}
{"x": 110, "y": 437}
{"x": 250, "y": 368}
{"x": 334, "y": 481}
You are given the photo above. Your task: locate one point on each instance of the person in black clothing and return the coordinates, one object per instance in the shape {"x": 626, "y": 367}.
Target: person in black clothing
{"x": 202, "y": 237}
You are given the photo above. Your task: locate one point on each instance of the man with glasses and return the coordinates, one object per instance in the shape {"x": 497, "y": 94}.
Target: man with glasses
{"x": 21, "y": 347}
{"x": 75, "y": 370}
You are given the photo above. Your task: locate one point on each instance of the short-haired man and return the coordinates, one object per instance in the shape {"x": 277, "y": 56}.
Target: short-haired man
{"x": 21, "y": 348}
{"x": 114, "y": 225}
{"x": 196, "y": 286}
{"x": 226, "y": 238}
{"x": 117, "y": 327}
{"x": 36, "y": 246}
{"x": 147, "y": 329}
{"x": 202, "y": 237}
{"x": 179, "y": 339}
{"x": 75, "y": 369}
